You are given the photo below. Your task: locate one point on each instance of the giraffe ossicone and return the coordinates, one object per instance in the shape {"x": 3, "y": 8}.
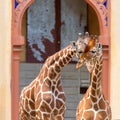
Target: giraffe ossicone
{"x": 94, "y": 105}
{"x": 44, "y": 97}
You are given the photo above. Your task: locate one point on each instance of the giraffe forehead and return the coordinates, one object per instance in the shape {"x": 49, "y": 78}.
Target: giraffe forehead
{"x": 91, "y": 45}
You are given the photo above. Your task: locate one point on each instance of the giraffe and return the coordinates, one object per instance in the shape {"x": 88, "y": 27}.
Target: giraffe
{"x": 94, "y": 105}
{"x": 44, "y": 97}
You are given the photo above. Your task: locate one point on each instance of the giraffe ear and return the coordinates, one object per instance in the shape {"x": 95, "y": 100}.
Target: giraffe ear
{"x": 99, "y": 46}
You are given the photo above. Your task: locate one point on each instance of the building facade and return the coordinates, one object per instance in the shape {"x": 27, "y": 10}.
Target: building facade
{"x": 12, "y": 40}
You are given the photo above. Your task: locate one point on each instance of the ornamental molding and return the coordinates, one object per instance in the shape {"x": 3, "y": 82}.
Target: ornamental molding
{"x": 101, "y": 7}
{"x": 19, "y": 12}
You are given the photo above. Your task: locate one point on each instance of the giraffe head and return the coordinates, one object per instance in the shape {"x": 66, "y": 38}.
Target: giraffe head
{"x": 90, "y": 49}
{"x": 78, "y": 45}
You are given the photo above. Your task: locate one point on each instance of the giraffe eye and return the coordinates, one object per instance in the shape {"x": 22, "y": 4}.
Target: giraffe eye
{"x": 80, "y": 52}
{"x": 93, "y": 51}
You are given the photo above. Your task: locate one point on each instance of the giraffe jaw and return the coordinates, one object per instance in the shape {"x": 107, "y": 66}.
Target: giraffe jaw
{"x": 79, "y": 65}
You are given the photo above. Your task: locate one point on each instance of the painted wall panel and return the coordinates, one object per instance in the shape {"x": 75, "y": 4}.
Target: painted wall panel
{"x": 41, "y": 26}
{"x": 40, "y": 36}
{"x": 73, "y": 19}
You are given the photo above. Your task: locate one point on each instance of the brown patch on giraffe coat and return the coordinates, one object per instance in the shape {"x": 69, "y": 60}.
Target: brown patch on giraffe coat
{"x": 79, "y": 114}
{"x": 58, "y": 118}
{"x": 48, "y": 97}
{"x": 65, "y": 51}
{"x": 62, "y": 109}
{"x": 38, "y": 87}
{"x": 62, "y": 96}
{"x": 99, "y": 92}
{"x": 28, "y": 94}
{"x": 27, "y": 105}
{"x": 45, "y": 108}
{"x": 32, "y": 113}
{"x": 99, "y": 74}
{"x": 41, "y": 78}
{"x": 69, "y": 55}
{"x": 39, "y": 114}
{"x": 61, "y": 53}
{"x": 101, "y": 115}
{"x": 94, "y": 99}
{"x": 81, "y": 103}
{"x": 94, "y": 85}
{"x": 53, "y": 89}
{"x": 67, "y": 58}
{"x": 44, "y": 73}
{"x": 99, "y": 84}
{"x": 52, "y": 74}
{"x": 93, "y": 92}
{"x": 38, "y": 101}
{"x": 52, "y": 105}
{"x": 102, "y": 104}
{"x": 32, "y": 104}
{"x": 58, "y": 103}
{"x": 56, "y": 57}
{"x": 100, "y": 67}
{"x": 55, "y": 112}
{"x": 61, "y": 63}
{"x": 54, "y": 82}
{"x": 25, "y": 117}
{"x": 48, "y": 82}
{"x": 64, "y": 61}
{"x": 96, "y": 71}
{"x": 79, "y": 110}
{"x": 32, "y": 94}
{"x": 52, "y": 62}
{"x": 58, "y": 83}
{"x": 56, "y": 93}
{"x": 45, "y": 88}
{"x": 57, "y": 68}
{"x": 96, "y": 107}
{"x": 88, "y": 104}
{"x": 60, "y": 88}
{"x": 88, "y": 115}
{"x": 46, "y": 116}
{"x": 58, "y": 77}
{"x": 97, "y": 66}
{"x": 94, "y": 78}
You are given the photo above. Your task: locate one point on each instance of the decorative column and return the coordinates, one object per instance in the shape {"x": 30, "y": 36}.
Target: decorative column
{"x": 17, "y": 42}
{"x": 15, "y": 75}
{"x": 102, "y": 9}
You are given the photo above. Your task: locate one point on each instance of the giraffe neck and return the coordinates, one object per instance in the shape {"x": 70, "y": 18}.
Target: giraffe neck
{"x": 96, "y": 78}
{"x": 61, "y": 58}
{"x": 54, "y": 64}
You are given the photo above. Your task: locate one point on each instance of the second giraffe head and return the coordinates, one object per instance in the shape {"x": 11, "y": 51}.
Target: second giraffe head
{"x": 88, "y": 50}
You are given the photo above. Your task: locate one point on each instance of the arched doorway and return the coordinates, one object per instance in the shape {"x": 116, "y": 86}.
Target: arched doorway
{"x": 100, "y": 7}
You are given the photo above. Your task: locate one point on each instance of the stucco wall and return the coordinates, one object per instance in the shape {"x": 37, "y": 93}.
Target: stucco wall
{"x": 5, "y": 59}
{"x": 115, "y": 58}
